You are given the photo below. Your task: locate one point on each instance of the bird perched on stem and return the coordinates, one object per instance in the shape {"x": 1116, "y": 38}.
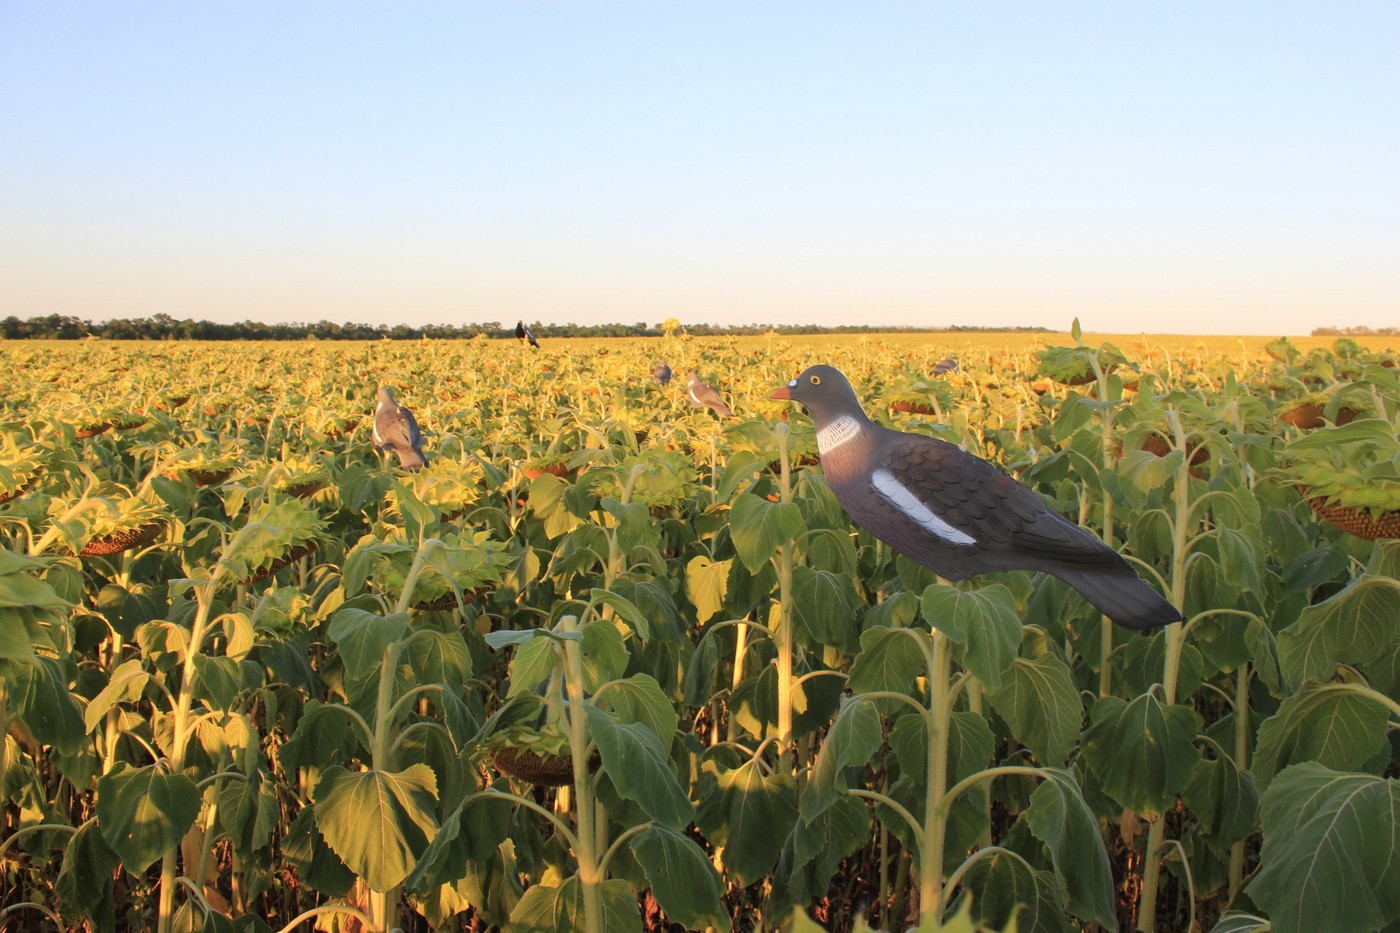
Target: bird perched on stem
{"x": 706, "y": 396}
{"x": 956, "y": 514}
{"x": 523, "y": 333}
{"x": 662, "y": 373}
{"x": 396, "y": 429}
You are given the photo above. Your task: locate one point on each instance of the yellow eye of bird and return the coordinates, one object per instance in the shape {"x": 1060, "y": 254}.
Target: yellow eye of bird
{"x": 816, "y": 380}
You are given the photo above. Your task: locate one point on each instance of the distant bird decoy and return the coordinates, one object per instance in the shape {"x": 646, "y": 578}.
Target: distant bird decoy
{"x": 945, "y": 365}
{"x": 706, "y": 396}
{"x": 955, "y": 513}
{"x": 523, "y": 333}
{"x": 396, "y": 429}
{"x": 662, "y": 373}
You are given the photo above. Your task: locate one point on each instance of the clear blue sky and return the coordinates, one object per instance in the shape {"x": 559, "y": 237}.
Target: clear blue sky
{"x": 1211, "y": 167}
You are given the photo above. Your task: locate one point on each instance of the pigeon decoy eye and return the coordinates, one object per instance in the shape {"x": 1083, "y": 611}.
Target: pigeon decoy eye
{"x": 816, "y": 380}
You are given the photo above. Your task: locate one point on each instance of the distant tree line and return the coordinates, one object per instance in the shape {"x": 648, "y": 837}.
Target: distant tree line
{"x": 165, "y": 327}
{"x": 1358, "y": 331}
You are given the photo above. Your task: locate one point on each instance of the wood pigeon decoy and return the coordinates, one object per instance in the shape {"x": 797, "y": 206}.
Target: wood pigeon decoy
{"x": 955, "y": 513}
{"x": 662, "y": 373}
{"x": 706, "y": 396}
{"x": 945, "y": 365}
{"x": 396, "y": 429}
{"x": 523, "y": 333}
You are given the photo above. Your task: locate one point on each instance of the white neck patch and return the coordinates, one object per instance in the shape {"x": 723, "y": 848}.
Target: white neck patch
{"x": 904, "y": 500}
{"x": 840, "y": 431}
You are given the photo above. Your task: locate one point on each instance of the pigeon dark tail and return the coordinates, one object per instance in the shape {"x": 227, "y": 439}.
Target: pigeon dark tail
{"x": 1123, "y": 597}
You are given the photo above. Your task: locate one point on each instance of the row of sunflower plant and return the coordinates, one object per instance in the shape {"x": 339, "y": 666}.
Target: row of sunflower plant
{"x": 609, "y": 663}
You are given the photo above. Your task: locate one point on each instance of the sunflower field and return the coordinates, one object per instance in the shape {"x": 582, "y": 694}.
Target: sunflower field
{"x": 610, "y": 663}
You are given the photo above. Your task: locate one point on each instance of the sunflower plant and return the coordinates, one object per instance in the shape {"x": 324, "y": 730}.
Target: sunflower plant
{"x": 86, "y": 523}
{"x": 1076, "y": 365}
{"x": 88, "y": 419}
{"x": 548, "y": 740}
{"x": 295, "y": 475}
{"x": 450, "y": 486}
{"x": 208, "y": 464}
{"x": 462, "y": 563}
{"x": 1356, "y": 465}
{"x": 920, "y": 395}
{"x": 19, "y": 466}
{"x": 279, "y": 532}
{"x": 760, "y": 435}
{"x": 656, "y": 479}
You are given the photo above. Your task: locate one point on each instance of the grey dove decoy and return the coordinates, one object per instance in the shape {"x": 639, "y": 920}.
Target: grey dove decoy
{"x": 396, "y": 429}
{"x": 945, "y": 365}
{"x": 706, "y": 396}
{"x": 524, "y": 333}
{"x": 955, "y": 513}
{"x": 662, "y": 373}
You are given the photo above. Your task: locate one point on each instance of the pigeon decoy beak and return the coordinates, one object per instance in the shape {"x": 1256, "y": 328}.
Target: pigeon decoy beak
{"x": 781, "y": 393}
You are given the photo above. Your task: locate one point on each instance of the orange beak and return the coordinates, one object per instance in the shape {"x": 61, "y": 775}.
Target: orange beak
{"x": 781, "y": 393}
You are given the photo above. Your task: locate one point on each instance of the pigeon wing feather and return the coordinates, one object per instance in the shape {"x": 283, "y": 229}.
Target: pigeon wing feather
{"x": 398, "y": 431}
{"x": 1011, "y": 525}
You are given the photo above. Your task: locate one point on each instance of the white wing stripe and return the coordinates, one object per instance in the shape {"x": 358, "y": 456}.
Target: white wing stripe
{"x": 904, "y": 500}
{"x": 379, "y": 409}
{"x": 837, "y": 433}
